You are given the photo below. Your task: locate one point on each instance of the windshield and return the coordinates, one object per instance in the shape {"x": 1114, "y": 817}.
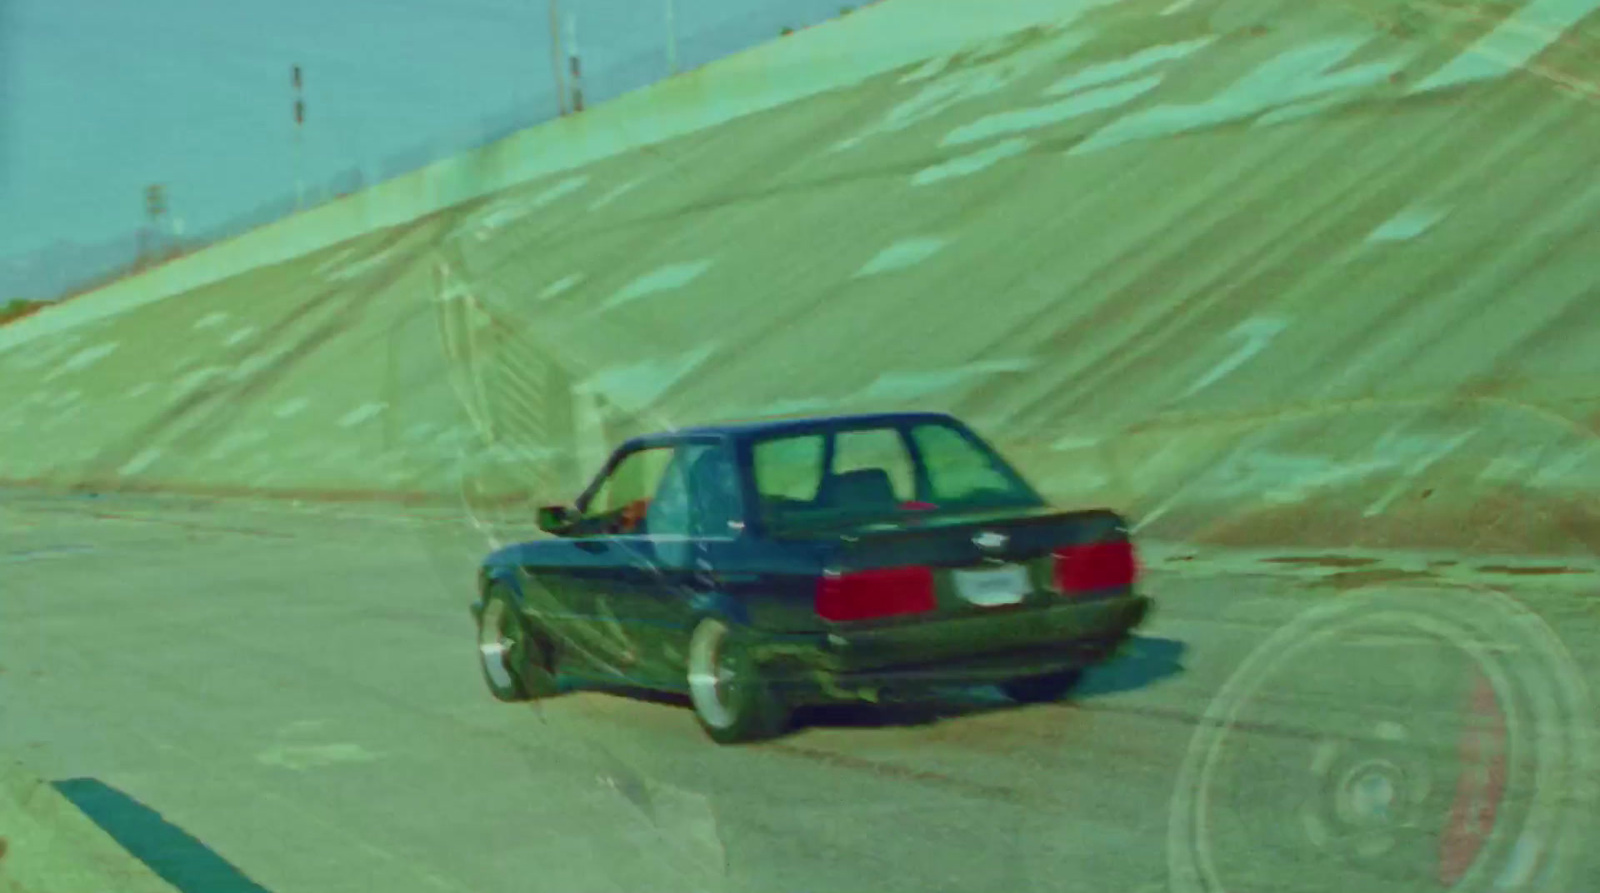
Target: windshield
{"x": 859, "y": 474}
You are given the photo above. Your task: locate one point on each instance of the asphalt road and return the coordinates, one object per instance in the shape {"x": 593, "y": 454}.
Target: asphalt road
{"x": 261, "y": 698}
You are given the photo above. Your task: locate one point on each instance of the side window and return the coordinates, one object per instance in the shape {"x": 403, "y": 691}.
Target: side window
{"x": 698, "y": 496}
{"x": 714, "y": 500}
{"x": 957, "y": 469}
{"x": 789, "y": 468}
{"x": 880, "y": 448}
{"x": 669, "y": 510}
{"x": 635, "y": 478}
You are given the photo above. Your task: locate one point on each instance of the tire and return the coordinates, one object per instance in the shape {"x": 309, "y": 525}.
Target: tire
{"x": 731, "y": 700}
{"x": 514, "y": 656}
{"x": 1045, "y": 689}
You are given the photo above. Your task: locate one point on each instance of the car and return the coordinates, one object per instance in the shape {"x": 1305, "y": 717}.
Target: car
{"x": 764, "y": 565}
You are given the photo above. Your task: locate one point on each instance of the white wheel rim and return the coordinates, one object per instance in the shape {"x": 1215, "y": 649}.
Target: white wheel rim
{"x": 710, "y": 680}
{"x": 494, "y": 645}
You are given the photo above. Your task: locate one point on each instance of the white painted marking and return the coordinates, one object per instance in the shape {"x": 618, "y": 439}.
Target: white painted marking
{"x": 1529, "y": 31}
{"x": 1021, "y": 120}
{"x": 1400, "y": 486}
{"x": 978, "y": 81}
{"x": 900, "y": 386}
{"x": 633, "y": 388}
{"x": 252, "y": 364}
{"x": 902, "y": 254}
{"x": 333, "y": 261}
{"x": 846, "y": 144}
{"x": 668, "y": 278}
{"x": 1257, "y": 333}
{"x": 560, "y": 286}
{"x": 291, "y": 408}
{"x": 365, "y": 265}
{"x": 1550, "y": 473}
{"x": 83, "y": 359}
{"x": 1076, "y": 442}
{"x": 927, "y": 70}
{"x": 211, "y": 320}
{"x": 1108, "y": 72}
{"x": 234, "y": 442}
{"x": 240, "y": 336}
{"x": 1299, "y": 74}
{"x": 302, "y": 757}
{"x": 967, "y": 165}
{"x": 1407, "y": 224}
{"x": 615, "y": 193}
{"x": 141, "y": 390}
{"x": 1177, "y": 7}
{"x": 561, "y": 190}
{"x": 1299, "y": 110}
{"x": 361, "y": 414}
{"x": 197, "y": 378}
{"x": 140, "y": 462}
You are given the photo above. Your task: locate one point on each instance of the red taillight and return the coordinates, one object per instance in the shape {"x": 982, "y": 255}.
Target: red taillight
{"x": 1095, "y": 566}
{"x": 868, "y": 595}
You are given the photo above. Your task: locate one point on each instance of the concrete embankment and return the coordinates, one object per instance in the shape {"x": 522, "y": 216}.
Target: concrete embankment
{"x": 1250, "y": 272}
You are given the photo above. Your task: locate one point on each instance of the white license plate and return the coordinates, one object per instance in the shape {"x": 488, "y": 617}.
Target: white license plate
{"x": 998, "y": 586}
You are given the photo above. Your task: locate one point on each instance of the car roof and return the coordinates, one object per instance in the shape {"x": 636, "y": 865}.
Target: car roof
{"x": 780, "y": 425}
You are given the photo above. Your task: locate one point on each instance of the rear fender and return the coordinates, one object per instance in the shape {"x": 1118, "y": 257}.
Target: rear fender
{"x": 720, "y": 605}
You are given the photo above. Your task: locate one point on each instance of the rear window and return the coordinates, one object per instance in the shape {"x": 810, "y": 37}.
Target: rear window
{"x": 881, "y": 472}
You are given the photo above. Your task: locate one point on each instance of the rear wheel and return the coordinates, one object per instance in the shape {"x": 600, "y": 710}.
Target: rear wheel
{"x": 732, "y": 702}
{"x": 514, "y": 656}
{"x": 1042, "y": 689}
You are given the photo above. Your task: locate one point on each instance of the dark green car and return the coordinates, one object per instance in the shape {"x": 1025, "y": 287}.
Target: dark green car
{"x": 764, "y": 565}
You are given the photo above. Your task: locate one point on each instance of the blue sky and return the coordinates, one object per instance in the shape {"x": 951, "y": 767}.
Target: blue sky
{"x": 101, "y": 97}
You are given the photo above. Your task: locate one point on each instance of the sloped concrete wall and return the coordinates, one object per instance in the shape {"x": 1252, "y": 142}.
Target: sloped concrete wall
{"x": 1248, "y": 272}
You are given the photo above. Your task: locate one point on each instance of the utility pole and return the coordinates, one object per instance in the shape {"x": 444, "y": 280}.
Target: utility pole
{"x": 572, "y": 54}
{"x": 556, "y": 54}
{"x": 155, "y": 207}
{"x": 672, "y": 40}
{"x": 299, "y": 149}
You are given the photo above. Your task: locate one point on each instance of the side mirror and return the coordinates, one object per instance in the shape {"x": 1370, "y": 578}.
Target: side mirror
{"x": 554, "y": 518}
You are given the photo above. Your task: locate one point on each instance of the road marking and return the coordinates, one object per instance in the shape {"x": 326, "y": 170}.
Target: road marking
{"x": 1109, "y": 72}
{"x": 139, "y": 463}
{"x": 967, "y": 165}
{"x": 1076, "y": 106}
{"x": 211, "y": 320}
{"x": 291, "y": 408}
{"x": 1257, "y": 333}
{"x": 361, "y": 414}
{"x": 668, "y": 278}
{"x": 560, "y": 286}
{"x": 1529, "y": 31}
{"x": 1406, "y": 225}
{"x": 303, "y": 757}
{"x": 240, "y": 336}
{"x": 83, "y": 359}
{"x": 901, "y": 255}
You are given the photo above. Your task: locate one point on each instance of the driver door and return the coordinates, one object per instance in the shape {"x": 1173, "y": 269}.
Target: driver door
{"x": 607, "y": 543}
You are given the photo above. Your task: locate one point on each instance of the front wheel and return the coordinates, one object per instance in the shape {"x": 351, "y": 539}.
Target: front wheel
{"x": 731, "y": 700}
{"x": 1043, "y": 689}
{"x": 514, "y": 657}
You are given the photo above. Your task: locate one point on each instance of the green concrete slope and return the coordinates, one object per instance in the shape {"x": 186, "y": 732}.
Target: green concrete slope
{"x": 1249, "y": 272}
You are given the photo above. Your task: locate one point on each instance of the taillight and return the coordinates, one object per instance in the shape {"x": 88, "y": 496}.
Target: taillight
{"x": 872, "y": 594}
{"x": 1095, "y": 566}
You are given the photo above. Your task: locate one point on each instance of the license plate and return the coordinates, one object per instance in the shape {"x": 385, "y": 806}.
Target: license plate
{"x": 998, "y": 586}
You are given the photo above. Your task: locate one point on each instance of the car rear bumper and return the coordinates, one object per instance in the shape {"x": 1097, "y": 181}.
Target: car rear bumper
{"x": 907, "y": 660}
